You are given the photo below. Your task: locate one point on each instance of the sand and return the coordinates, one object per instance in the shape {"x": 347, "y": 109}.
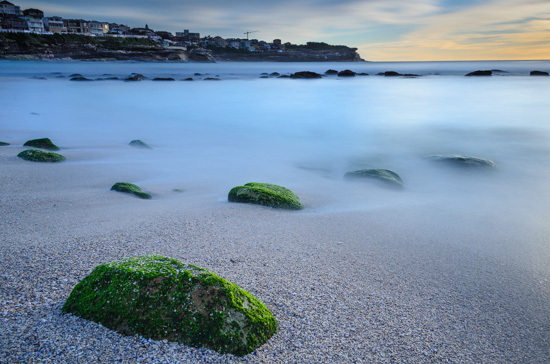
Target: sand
{"x": 387, "y": 284}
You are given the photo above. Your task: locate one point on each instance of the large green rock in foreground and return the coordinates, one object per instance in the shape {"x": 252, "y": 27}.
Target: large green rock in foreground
{"x": 35, "y": 155}
{"x": 383, "y": 175}
{"x": 265, "y": 194}
{"x": 162, "y": 298}
{"x": 44, "y": 143}
{"x": 130, "y": 188}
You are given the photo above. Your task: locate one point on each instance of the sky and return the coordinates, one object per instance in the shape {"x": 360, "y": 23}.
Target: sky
{"x": 382, "y": 30}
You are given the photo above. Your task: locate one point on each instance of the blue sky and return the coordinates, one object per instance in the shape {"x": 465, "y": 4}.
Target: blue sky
{"x": 383, "y": 30}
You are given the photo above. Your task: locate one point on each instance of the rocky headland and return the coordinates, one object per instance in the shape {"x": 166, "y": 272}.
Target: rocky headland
{"x": 86, "y": 48}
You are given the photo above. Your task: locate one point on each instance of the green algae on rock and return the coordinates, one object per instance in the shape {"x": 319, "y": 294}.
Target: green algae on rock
{"x": 43, "y": 143}
{"x": 35, "y": 155}
{"x": 130, "y": 188}
{"x": 384, "y": 175}
{"x": 265, "y": 194}
{"x": 458, "y": 160}
{"x": 4, "y": 144}
{"x": 165, "y": 299}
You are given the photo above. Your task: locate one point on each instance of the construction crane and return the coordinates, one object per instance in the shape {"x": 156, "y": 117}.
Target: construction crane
{"x": 252, "y": 31}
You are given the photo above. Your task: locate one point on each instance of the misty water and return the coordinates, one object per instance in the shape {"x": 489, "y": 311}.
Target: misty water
{"x": 209, "y": 136}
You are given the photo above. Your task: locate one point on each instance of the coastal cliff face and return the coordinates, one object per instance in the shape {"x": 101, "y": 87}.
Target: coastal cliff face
{"x": 78, "y": 47}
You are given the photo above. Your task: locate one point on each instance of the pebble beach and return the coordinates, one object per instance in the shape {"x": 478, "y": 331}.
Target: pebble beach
{"x": 383, "y": 285}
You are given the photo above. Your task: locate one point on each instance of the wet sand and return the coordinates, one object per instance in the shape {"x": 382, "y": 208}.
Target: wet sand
{"x": 401, "y": 283}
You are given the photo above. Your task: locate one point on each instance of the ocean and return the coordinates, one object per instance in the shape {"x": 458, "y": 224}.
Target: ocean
{"x": 209, "y": 136}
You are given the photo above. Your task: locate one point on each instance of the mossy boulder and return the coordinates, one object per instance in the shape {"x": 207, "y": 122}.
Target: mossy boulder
{"x": 43, "y": 143}
{"x": 139, "y": 144}
{"x": 165, "y": 299}
{"x": 386, "y": 176}
{"x": 35, "y": 155}
{"x": 458, "y": 160}
{"x": 4, "y": 144}
{"x": 265, "y": 194}
{"x": 130, "y": 188}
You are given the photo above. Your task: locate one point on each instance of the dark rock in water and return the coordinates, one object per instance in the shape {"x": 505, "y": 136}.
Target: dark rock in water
{"x": 180, "y": 190}
{"x": 39, "y": 78}
{"x": 56, "y": 73}
{"x": 76, "y": 75}
{"x": 35, "y": 155}
{"x": 114, "y": 78}
{"x": 383, "y": 175}
{"x": 305, "y": 74}
{"x": 135, "y": 77}
{"x": 80, "y": 78}
{"x": 463, "y": 161}
{"x": 480, "y": 73}
{"x": 4, "y": 144}
{"x": 331, "y": 72}
{"x": 346, "y": 73}
{"x": 212, "y": 79}
{"x": 43, "y": 143}
{"x": 163, "y": 79}
{"x": 274, "y": 74}
{"x": 264, "y": 76}
{"x": 538, "y": 73}
{"x": 166, "y": 299}
{"x": 499, "y": 71}
{"x": 198, "y": 74}
{"x": 130, "y": 188}
{"x": 390, "y": 74}
{"x": 265, "y": 194}
{"x": 284, "y": 76}
{"x": 188, "y": 79}
{"x": 139, "y": 144}
{"x": 362, "y": 74}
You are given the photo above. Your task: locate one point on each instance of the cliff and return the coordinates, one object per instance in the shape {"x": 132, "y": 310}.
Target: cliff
{"x": 80, "y": 47}
{"x": 310, "y": 52}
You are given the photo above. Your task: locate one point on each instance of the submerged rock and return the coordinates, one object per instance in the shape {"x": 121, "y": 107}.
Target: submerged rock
{"x": 135, "y": 77}
{"x": 480, "y": 73}
{"x": 346, "y": 73}
{"x": 130, "y": 188}
{"x": 166, "y": 299}
{"x": 305, "y": 74}
{"x": 390, "y": 74}
{"x": 43, "y": 143}
{"x": 80, "y": 78}
{"x": 265, "y": 194}
{"x": 139, "y": 144}
{"x": 463, "y": 161}
{"x": 538, "y": 73}
{"x": 383, "y": 175}
{"x": 35, "y": 155}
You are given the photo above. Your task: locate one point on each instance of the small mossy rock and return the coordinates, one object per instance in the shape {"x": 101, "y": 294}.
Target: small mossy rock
{"x": 130, "y": 188}
{"x": 4, "y": 144}
{"x": 35, "y": 155}
{"x": 265, "y": 194}
{"x": 458, "y": 160}
{"x": 165, "y": 299}
{"x": 139, "y": 144}
{"x": 386, "y": 176}
{"x": 43, "y": 143}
